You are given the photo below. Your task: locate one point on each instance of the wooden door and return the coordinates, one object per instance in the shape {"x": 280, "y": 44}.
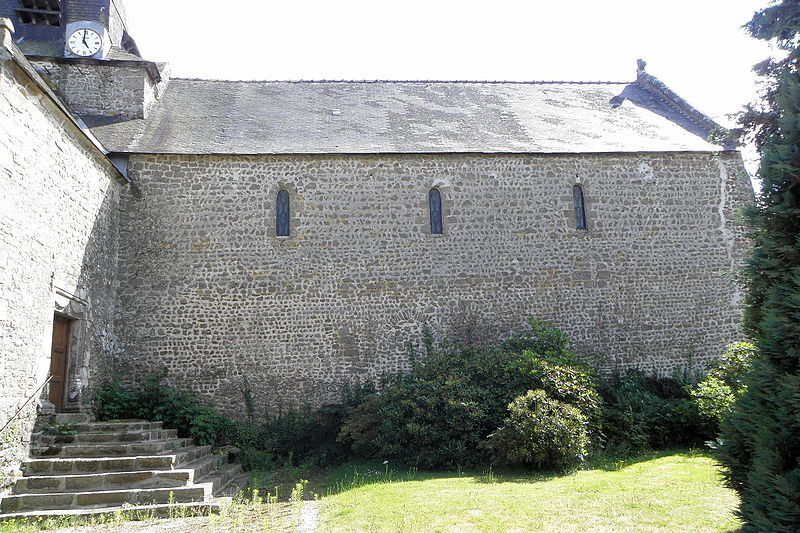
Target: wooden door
{"x": 58, "y": 360}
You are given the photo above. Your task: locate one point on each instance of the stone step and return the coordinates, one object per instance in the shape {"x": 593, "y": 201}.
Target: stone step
{"x": 235, "y": 487}
{"x": 206, "y": 465}
{"x": 119, "y": 437}
{"x": 129, "y": 512}
{"x": 66, "y": 500}
{"x": 91, "y": 465}
{"x": 220, "y": 477}
{"x": 73, "y": 418}
{"x": 110, "y": 449}
{"x": 142, "y": 479}
{"x": 131, "y": 466}
{"x": 118, "y": 426}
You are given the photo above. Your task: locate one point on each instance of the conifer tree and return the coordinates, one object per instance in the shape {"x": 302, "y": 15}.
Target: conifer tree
{"x": 760, "y": 449}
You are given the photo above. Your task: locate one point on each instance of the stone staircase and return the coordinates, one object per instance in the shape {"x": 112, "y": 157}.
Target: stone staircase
{"x": 128, "y": 465}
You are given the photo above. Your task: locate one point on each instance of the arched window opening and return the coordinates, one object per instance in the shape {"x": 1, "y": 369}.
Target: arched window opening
{"x": 282, "y": 214}
{"x": 435, "y": 208}
{"x": 580, "y": 210}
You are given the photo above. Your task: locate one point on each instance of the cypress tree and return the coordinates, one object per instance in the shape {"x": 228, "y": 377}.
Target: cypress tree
{"x": 760, "y": 450}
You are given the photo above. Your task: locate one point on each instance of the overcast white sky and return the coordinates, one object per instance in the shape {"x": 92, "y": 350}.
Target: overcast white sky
{"x": 697, "y": 47}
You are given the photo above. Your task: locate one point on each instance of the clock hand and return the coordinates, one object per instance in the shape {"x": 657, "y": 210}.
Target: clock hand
{"x": 84, "y": 39}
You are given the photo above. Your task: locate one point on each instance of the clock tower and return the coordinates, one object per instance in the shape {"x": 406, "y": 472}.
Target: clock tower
{"x": 44, "y": 28}
{"x": 84, "y": 49}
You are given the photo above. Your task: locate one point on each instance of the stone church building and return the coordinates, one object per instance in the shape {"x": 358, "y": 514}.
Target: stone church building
{"x": 291, "y": 236}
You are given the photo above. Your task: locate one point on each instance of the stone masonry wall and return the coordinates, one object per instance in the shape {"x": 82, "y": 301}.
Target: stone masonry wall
{"x": 101, "y": 90}
{"x": 213, "y": 294}
{"x": 59, "y": 202}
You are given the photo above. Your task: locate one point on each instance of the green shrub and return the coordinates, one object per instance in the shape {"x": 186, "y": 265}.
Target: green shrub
{"x": 541, "y": 431}
{"x": 643, "y": 411}
{"x": 114, "y": 402}
{"x": 208, "y": 426}
{"x": 437, "y": 413}
{"x": 713, "y": 398}
{"x": 724, "y": 384}
{"x": 159, "y": 401}
{"x": 544, "y": 339}
{"x": 735, "y": 365}
{"x": 155, "y": 400}
{"x": 441, "y": 411}
{"x": 570, "y": 383}
{"x": 257, "y": 460}
{"x": 309, "y": 435}
{"x": 362, "y": 429}
{"x": 305, "y": 433}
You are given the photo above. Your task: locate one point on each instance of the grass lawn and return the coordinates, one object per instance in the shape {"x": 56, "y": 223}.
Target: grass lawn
{"x": 667, "y": 491}
{"x": 661, "y": 492}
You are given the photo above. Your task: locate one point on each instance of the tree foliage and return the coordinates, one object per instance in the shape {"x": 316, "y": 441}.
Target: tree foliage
{"x": 761, "y": 439}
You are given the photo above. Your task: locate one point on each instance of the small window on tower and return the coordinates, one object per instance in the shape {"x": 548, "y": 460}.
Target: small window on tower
{"x": 40, "y": 12}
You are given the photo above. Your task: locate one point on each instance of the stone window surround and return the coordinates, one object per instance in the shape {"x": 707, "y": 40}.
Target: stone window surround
{"x": 588, "y": 213}
{"x": 295, "y": 205}
{"x": 447, "y": 204}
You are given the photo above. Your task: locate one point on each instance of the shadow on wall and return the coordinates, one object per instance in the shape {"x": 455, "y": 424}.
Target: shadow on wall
{"x": 58, "y": 289}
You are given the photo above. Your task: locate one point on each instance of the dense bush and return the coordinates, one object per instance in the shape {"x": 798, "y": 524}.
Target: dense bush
{"x": 441, "y": 411}
{"x": 735, "y": 365}
{"x": 310, "y": 435}
{"x": 155, "y": 400}
{"x": 437, "y": 414}
{"x": 541, "y": 431}
{"x": 114, "y": 402}
{"x": 724, "y": 384}
{"x": 571, "y": 382}
{"x": 301, "y": 435}
{"x": 537, "y": 400}
{"x": 643, "y": 411}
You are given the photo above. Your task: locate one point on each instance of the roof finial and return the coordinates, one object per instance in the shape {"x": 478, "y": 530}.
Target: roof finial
{"x": 640, "y": 64}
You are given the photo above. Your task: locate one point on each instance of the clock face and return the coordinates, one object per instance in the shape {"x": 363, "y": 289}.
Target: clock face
{"x": 84, "y": 42}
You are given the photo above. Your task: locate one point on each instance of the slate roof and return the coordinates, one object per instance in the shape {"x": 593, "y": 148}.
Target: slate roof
{"x": 279, "y": 117}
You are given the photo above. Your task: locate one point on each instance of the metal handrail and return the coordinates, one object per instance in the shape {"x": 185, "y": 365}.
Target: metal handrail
{"x": 26, "y": 403}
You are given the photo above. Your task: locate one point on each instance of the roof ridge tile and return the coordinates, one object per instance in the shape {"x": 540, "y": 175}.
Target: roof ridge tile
{"x": 493, "y": 82}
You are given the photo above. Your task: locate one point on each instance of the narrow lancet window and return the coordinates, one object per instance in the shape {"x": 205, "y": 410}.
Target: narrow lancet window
{"x": 580, "y": 210}
{"x": 435, "y": 208}
{"x": 282, "y": 214}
